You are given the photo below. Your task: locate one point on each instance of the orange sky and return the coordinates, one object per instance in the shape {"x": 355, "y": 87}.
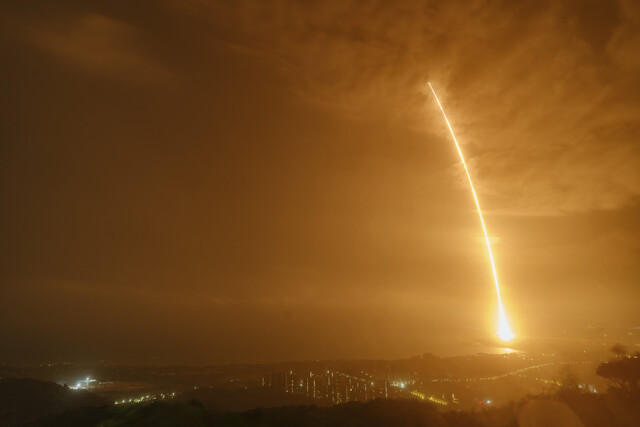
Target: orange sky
{"x": 208, "y": 181}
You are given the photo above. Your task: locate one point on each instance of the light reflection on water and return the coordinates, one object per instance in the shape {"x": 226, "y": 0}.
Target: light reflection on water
{"x": 467, "y": 346}
{"x": 492, "y": 350}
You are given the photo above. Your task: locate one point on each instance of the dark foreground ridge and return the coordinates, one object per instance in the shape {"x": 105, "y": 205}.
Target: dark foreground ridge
{"x": 24, "y": 399}
{"x": 572, "y": 409}
{"x": 45, "y": 404}
{"x": 193, "y": 413}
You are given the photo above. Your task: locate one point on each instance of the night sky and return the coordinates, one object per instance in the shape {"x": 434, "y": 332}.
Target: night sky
{"x": 200, "y": 181}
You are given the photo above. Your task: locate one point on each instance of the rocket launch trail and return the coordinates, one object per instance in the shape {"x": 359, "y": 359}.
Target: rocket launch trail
{"x": 504, "y": 330}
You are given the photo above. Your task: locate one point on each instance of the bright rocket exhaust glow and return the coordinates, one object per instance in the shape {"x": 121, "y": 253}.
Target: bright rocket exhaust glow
{"x": 504, "y": 330}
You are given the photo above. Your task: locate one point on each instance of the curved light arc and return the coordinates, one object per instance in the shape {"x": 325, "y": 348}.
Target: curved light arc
{"x": 504, "y": 331}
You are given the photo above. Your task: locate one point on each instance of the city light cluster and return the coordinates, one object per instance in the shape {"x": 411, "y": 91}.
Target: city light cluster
{"x": 85, "y": 384}
{"x": 339, "y": 387}
{"x": 145, "y": 398}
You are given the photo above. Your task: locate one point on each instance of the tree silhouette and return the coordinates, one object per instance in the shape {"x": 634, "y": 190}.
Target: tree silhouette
{"x": 623, "y": 373}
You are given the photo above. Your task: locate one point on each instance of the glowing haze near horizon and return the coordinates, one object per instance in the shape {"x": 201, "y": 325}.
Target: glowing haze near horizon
{"x": 199, "y": 181}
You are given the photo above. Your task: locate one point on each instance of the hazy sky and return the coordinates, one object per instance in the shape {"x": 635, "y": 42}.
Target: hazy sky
{"x": 208, "y": 181}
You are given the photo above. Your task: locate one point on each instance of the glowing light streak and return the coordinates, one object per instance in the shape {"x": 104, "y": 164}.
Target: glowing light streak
{"x": 430, "y": 398}
{"x": 504, "y": 330}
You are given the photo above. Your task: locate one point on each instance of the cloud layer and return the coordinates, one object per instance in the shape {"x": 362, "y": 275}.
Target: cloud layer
{"x": 543, "y": 95}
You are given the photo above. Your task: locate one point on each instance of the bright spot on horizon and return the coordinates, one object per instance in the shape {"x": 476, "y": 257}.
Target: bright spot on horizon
{"x": 504, "y": 330}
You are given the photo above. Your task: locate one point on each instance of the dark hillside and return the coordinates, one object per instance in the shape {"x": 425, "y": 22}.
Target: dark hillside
{"x": 24, "y": 399}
